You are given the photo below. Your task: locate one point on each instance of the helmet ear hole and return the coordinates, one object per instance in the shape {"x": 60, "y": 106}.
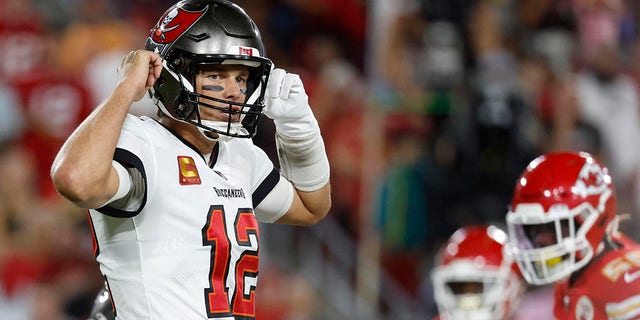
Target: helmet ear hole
{"x": 182, "y": 108}
{"x": 177, "y": 63}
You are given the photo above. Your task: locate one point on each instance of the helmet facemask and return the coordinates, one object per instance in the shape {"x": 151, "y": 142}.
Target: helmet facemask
{"x": 562, "y": 209}
{"x": 465, "y": 291}
{"x": 565, "y": 249}
{"x": 175, "y": 95}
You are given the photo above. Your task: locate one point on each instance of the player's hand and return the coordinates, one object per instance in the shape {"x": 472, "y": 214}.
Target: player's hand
{"x": 287, "y": 104}
{"x": 301, "y": 152}
{"x": 138, "y": 71}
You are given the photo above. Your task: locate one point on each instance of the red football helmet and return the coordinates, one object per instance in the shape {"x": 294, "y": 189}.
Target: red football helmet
{"x": 563, "y": 205}
{"x": 473, "y": 278}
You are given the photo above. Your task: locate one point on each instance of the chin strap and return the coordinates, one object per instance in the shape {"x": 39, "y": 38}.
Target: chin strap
{"x": 222, "y": 127}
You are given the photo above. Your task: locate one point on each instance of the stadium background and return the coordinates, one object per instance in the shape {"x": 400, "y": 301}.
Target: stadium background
{"x": 429, "y": 110}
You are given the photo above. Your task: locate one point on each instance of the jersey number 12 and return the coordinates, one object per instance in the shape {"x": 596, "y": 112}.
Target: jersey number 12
{"x": 216, "y": 235}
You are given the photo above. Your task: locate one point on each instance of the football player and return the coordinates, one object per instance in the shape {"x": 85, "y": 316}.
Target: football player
{"x": 563, "y": 229}
{"x": 175, "y": 203}
{"x": 473, "y": 278}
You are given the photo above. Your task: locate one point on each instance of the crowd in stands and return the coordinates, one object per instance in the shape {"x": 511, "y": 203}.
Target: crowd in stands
{"x": 429, "y": 110}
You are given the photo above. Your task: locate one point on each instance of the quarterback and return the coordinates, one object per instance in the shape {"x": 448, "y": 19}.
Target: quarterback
{"x": 175, "y": 202}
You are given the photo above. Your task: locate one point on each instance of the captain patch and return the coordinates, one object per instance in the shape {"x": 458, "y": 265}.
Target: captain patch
{"x": 188, "y": 171}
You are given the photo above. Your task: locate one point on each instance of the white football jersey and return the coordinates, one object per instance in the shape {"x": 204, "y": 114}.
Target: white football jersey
{"x": 190, "y": 249}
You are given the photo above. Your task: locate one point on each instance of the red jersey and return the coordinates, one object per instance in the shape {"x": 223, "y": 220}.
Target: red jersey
{"x": 609, "y": 288}
{"x": 53, "y": 107}
{"x": 22, "y": 47}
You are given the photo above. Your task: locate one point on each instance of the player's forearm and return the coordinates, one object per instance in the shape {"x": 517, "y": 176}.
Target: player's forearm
{"x": 304, "y": 162}
{"x": 82, "y": 170}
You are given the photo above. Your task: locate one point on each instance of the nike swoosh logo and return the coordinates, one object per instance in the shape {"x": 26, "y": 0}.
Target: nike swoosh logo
{"x": 630, "y": 277}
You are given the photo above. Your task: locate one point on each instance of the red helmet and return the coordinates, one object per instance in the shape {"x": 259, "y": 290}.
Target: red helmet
{"x": 473, "y": 278}
{"x": 562, "y": 207}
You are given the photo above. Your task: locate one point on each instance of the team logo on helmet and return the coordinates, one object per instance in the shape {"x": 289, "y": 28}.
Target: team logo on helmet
{"x": 173, "y": 24}
{"x": 591, "y": 180}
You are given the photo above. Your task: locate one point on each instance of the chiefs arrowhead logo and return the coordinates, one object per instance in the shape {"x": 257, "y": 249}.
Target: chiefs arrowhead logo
{"x": 173, "y": 24}
{"x": 591, "y": 180}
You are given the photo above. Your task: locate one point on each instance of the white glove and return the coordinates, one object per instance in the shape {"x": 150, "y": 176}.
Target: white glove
{"x": 288, "y": 105}
{"x": 301, "y": 153}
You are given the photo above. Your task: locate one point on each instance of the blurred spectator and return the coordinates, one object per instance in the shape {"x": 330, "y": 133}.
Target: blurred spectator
{"x": 96, "y": 28}
{"x": 425, "y": 51}
{"x": 42, "y": 250}
{"x": 97, "y": 62}
{"x": 496, "y": 142}
{"x": 546, "y": 28}
{"x": 496, "y": 138}
{"x": 402, "y": 212}
{"x": 344, "y": 18}
{"x": 22, "y": 39}
{"x": 44, "y": 272}
{"x": 12, "y": 120}
{"x": 599, "y": 25}
{"x": 608, "y": 98}
{"x": 54, "y": 102}
{"x": 336, "y": 97}
{"x": 302, "y": 304}
{"x": 50, "y": 101}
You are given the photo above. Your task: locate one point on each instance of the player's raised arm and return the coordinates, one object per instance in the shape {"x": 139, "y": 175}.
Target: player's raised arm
{"x": 82, "y": 171}
{"x": 301, "y": 151}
